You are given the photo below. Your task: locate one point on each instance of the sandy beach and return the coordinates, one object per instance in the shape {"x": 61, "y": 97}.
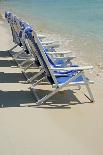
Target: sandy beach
{"x": 76, "y": 129}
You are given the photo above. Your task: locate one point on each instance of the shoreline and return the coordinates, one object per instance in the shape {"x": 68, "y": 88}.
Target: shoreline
{"x": 81, "y": 47}
{"x": 70, "y": 42}
{"x": 66, "y": 44}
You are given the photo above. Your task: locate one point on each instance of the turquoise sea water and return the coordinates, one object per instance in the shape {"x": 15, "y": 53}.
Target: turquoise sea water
{"x": 80, "y": 21}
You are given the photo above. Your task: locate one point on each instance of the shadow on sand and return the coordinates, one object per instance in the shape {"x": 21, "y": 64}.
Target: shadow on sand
{"x": 15, "y": 98}
{"x": 7, "y": 63}
{"x": 11, "y": 77}
{"x": 4, "y": 54}
{"x": 60, "y": 100}
{"x": 14, "y": 77}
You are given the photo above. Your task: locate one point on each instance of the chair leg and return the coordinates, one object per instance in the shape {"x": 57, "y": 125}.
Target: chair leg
{"x": 29, "y": 80}
{"x": 25, "y": 75}
{"x": 17, "y": 54}
{"x": 24, "y": 62}
{"x": 35, "y": 84}
{"x": 57, "y": 89}
{"x": 13, "y": 48}
{"x": 40, "y": 101}
{"x": 27, "y": 67}
{"x": 91, "y": 98}
{"x": 35, "y": 76}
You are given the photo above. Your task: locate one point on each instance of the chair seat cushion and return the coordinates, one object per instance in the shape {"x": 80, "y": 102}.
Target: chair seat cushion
{"x": 60, "y": 62}
{"x": 63, "y": 79}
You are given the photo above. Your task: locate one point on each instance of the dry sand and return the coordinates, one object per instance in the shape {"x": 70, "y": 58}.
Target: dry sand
{"x": 49, "y": 130}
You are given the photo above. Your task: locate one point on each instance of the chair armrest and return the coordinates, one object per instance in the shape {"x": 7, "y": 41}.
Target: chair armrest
{"x": 55, "y": 45}
{"x": 62, "y": 52}
{"x": 41, "y": 36}
{"x": 73, "y": 68}
{"x": 47, "y": 42}
{"x": 64, "y": 58}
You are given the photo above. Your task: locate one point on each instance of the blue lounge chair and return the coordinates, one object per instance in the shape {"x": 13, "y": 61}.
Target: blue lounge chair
{"x": 55, "y": 61}
{"x": 10, "y": 19}
{"x": 59, "y": 77}
{"x": 18, "y": 26}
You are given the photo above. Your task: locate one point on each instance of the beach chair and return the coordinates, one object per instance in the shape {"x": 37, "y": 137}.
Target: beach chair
{"x": 51, "y": 45}
{"x": 17, "y": 27}
{"x": 17, "y": 36}
{"x": 10, "y": 19}
{"x": 59, "y": 77}
{"x": 56, "y": 60}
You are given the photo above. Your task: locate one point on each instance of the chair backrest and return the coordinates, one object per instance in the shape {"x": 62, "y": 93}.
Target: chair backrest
{"x": 19, "y": 26}
{"x": 10, "y": 18}
{"x": 33, "y": 47}
{"x": 40, "y": 52}
{"x": 46, "y": 50}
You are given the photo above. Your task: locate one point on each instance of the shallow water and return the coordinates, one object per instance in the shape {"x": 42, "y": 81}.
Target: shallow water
{"x": 77, "y": 24}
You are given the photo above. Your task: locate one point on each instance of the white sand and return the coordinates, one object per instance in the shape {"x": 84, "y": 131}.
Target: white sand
{"x": 73, "y": 130}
